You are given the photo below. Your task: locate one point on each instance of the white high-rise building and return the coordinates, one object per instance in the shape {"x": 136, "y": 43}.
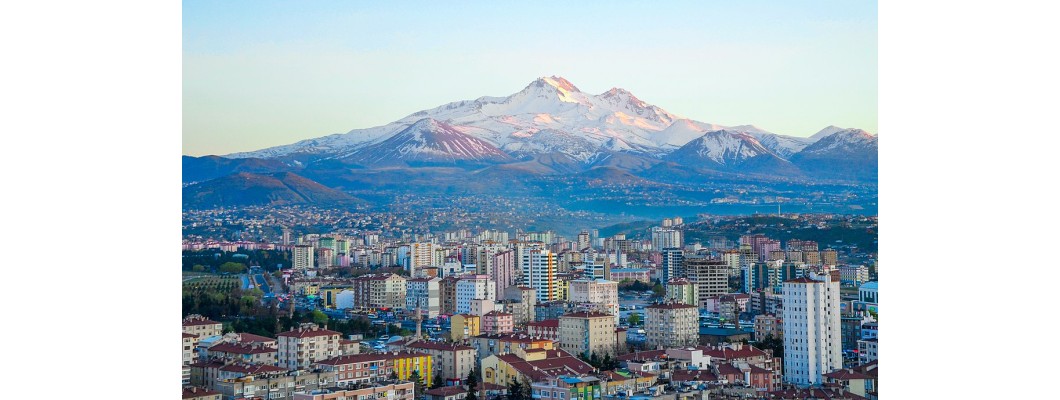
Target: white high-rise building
{"x": 473, "y": 287}
{"x": 812, "y": 334}
{"x": 302, "y": 257}
{"x": 596, "y": 291}
{"x": 539, "y": 268}
{"x": 672, "y": 264}
{"x": 583, "y": 241}
{"x": 662, "y": 238}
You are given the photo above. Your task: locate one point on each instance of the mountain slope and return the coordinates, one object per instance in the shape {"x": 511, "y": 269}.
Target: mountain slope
{"x": 726, "y": 150}
{"x": 245, "y": 189}
{"x": 428, "y": 142}
{"x": 198, "y": 169}
{"x": 846, "y": 154}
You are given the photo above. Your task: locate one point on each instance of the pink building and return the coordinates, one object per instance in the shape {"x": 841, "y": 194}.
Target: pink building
{"x": 634, "y": 274}
{"x": 497, "y": 322}
{"x": 504, "y": 270}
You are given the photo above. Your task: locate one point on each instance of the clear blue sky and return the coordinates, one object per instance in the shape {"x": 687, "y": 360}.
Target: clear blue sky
{"x": 260, "y": 74}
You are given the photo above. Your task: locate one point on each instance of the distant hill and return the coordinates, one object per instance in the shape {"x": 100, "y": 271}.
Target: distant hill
{"x": 246, "y": 189}
{"x": 198, "y": 169}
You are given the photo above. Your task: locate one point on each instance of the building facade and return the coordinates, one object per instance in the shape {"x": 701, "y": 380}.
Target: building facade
{"x": 671, "y": 324}
{"x": 812, "y": 332}
{"x": 587, "y": 333}
{"x": 305, "y": 345}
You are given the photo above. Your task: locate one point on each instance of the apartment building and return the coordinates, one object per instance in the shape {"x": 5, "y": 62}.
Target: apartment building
{"x": 305, "y": 345}
{"x": 671, "y": 324}
{"x": 587, "y": 333}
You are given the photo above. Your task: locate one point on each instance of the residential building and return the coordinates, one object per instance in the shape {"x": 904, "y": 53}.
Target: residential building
{"x": 868, "y": 350}
{"x": 633, "y": 274}
{"x": 547, "y": 329}
{"x": 531, "y": 365}
{"x": 853, "y": 274}
{"x": 853, "y": 381}
{"x": 200, "y": 393}
{"x": 672, "y": 263}
{"x": 188, "y": 341}
{"x": 447, "y": 289}
{"x": 767, "y": 325}
{"x": 539, "y": 267}
{"x": 379, "y": 291}
{"x": 527, "y": 302}
{"x": 247, "y": 353}
{"x": 587, "y": 333}
{"x": 390, "y": 390}
{"x": 812, "y": 333}
{"x": 869, "y": 292}
{"x": 464, "y": 326}
{"x": 601, "y": 292}
{"x": 302, "y": 257}
{"x": 682, "y": 291}
{"x": 711, "y": 277}
{"x": 504, "y": 343}
{"x": 497, "y": 322}
{"x": 447, "y": 393}
{"x": 423, "y": 294}
{"x": 450, "y": 361}
{"x": 200, "y": 326}
{"x": 671, "y": 324}
{"x": 305, "y": 345}
{"x": 471, "y": 287}
{"x": 377, "y": 367}
{"x": 567, "y": 387}
{"x": 503, "y": 269}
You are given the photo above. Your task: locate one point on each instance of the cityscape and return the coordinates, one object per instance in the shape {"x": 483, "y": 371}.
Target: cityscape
{"x": 395, "y": 201}
{"x": 673, "y": 309}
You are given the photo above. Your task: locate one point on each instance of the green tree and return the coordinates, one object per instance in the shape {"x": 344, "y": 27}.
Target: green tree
{"x": 393, "y": 376}
{"x": 198, "y": 268}
{"x": 417, "y": 381}
{"x": 319, "y": 317}
{"x": 472, "y": 384}
{"x": 634, "y": 319}
{"x": 658, "y": 290}
{"x": 515, "y": 391}
{"x": 233, "y": 267}
{"x": 439, "y": 380}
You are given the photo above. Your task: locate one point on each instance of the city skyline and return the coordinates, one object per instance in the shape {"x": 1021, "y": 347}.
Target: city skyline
{"x": 273, "y": 74}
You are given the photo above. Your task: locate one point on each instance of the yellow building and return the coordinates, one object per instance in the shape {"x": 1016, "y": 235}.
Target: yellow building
{"x": 464, "y": 326}
{"x": 531, "y": 366}
{"x": 406, "y": 362}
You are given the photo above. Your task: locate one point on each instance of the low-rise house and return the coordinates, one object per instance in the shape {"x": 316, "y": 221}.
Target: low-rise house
{"x": 390, "y": 390}
{"x": 200, "y": 393}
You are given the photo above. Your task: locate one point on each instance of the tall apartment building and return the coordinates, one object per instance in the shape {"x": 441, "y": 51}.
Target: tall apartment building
{"x": 583, "y": 241}
{"x": 671, "y": 324}
{"x": 711, "y": 277}
{"x": 662, "y": 238}
{"x": 379, "y": 291}
{"x": 812, "y": 332}
{"x": 683, "y": 291}
{"x": 601, "y": 292}
{"x": 503, "y": 269}
{"x": 421, "y": 255}
{"x": 587, "y": 333}
{"x": 305, "y": 345}
{"x": 302, "y": 257}
{"x": 672, "y": 263}
{"x": 471, "y": 288}
{"x": 447, "y": 289}
{"x": 423, "y": 293}
{"x": 539, "y": 265}
{"x": 527, "y": 299}
{"x": 451, "y": 361}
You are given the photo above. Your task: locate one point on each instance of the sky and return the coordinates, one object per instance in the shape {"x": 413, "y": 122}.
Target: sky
{"x": 261, "y": 74}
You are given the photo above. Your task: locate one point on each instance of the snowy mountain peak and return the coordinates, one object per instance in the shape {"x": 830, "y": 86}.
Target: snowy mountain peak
{"x": 827, "y": 131}
{"x": 557, "y": 82}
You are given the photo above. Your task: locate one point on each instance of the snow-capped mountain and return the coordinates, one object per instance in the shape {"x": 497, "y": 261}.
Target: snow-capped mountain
{"x": 426, "y": 142}
{"x": 549, "y": 115}
{"x": 844, "y": 154}
{"x": 729, "y": 150}
{"x": 552, "y": 119}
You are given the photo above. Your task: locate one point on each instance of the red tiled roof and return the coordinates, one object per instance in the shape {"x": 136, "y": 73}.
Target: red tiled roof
{"x": 188, "y": 335}
{"x": 354, "y": 358}
{"x": 446, "y": 391}
{"x": 304, "y": 333}
{"x": 240, "y": 348}
{"x": 547, "y": 323}
{"x": 728, "y": 369}
{"x": 642, "y": 355}
{"x": 192, "y": 392}
{"x": 684, "y": 375}
{"x": 252, "y": 338}
{"x": 846, "y": 375}
{"x": 198, "y": 321}
{"x": 801, "y": 280}
{"x": 439, "y": 346}
{"x": 511, "y": 337}
{"x": 250, "y": 369}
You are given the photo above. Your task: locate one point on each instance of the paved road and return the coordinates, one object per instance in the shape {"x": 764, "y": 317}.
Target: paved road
{"x": 262, "y": 284}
